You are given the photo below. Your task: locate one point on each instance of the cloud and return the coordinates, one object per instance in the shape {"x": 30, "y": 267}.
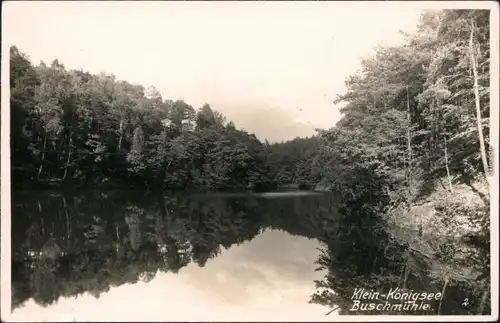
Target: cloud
{"x": 258, "y": 62}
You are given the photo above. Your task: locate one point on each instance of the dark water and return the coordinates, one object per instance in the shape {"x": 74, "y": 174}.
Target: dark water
{"x": 274, "y": 256}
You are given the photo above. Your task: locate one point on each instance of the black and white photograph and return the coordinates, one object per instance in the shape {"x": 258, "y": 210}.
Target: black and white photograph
{"x": 254, "y": 161}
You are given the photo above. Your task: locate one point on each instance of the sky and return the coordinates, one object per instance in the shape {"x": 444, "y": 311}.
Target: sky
{"x": 252, "y": 281}
{"x": 274, "y": 68}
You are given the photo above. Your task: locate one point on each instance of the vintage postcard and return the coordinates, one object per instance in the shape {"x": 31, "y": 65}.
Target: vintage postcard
{"x": 249, "y": 161}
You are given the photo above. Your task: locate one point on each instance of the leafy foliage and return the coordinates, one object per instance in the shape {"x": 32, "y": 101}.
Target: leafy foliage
{"x": 410, "y": 122}
{"x": 83, "y": 129}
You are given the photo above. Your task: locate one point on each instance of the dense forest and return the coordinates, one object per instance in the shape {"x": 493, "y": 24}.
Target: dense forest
{"x": 74, "y": 127}
{"x": 420, "y": 111}
{"x": 78, "y": 129}
{"x": 410, "y": 159}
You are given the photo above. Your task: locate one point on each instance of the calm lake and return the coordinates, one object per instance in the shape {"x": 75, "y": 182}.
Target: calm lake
{"x": 126, "y": 255}
{"x": 133, "y": 256}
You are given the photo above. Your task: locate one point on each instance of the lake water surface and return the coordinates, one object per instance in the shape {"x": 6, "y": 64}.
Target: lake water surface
{"x": 126, "y": 255}
{"x": 123, "y": 256}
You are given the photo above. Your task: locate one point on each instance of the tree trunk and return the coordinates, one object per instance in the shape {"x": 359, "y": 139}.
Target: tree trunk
{"x": 117, "y": 240}
{"x": 121, "y": 135}
{"x": 70, "y": 144}
{"x": 484, "y": 297}
{"x": 478, "y": 106}
{"x": 43, "y": 227}
{"x": 407, "y": 274}
{"x": 335, "y": 308}
{"x": 447, "y": 168}
{"x": 68, "y": 224}
{"x": 403, "y": 271}
{"x": 386, "y": 248}
{"x": 442, "y": 295}
{"x": 69, "y": 158}
{"x": 43, "y": 157}
{"x": 373, "y": 266}
{"x": 165, "y": 172}
{"x": 410, "y": 157}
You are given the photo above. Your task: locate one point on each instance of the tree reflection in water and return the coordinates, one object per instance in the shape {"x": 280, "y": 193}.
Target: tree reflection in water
{"x": 65, "y": 244}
